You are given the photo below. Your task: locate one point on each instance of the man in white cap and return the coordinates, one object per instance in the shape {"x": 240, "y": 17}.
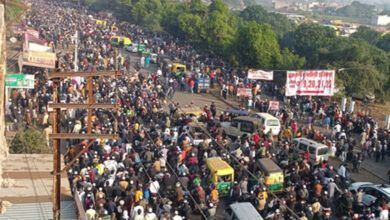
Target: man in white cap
{"x": 150, "y": 215}
{"x": 177, "y": 216}
{"x": 90, "y": 213}
{"x": 136, "y": 211}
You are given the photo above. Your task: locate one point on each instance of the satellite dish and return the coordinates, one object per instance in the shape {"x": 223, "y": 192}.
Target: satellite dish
{"x": 13, "y": 40}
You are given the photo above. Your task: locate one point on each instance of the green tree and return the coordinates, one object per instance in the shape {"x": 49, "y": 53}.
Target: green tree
{"x": 290, "y": 61}
{"x": 256, "y": 46}
{"x": 358, "y": 10}
{"x": 197, "y": 7}
{"x": 384, "y": 42}
{"x": 29, "y": 141}
{"x": 191, "y": 27}
{"x": 148, "y": 13}
{"x": 219, "y": 28}
{"x": 218, "y": 5}
{"x": 367, "y": 34}
{"x": 309, "y": 40}
{"x": 279, "y": 22}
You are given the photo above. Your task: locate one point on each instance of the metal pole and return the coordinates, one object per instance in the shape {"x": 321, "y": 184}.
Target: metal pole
{"x": 56, "y": 154}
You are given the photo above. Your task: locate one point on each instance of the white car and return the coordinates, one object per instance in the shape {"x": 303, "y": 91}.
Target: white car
{"x": 371, "y": 192}
{"x": 132, "y": 48}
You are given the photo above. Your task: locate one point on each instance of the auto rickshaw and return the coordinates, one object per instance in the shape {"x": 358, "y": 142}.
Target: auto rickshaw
{"x": 141, "y": 47}
{"x": 273, "y": 174}
{"x": 120, "y": 41}
{"x": 101, "y": 22}
{"x": 178, "y": 69}
{"x": 221, "y": 175}
{"x": 114, "y": 29}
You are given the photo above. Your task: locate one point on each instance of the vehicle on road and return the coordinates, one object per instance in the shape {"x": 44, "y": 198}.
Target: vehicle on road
{"x": 269, "y": 122}
{"x": 221, "y": 175}
{"x": 191, "y": 111}
{"x": 153, "y": 58}
{"x": 273, "y": 174}
{"x": 141, "y": 47}
{"x": 178, "y": 69}
{"x": 233, "y": 113}
{"x": 120, "y": 41}
{"x": 242, "y": 125}
{"x": 371, "y": 192}
{"x": 197, "y": 133}
{"x": 242, "y": 211}
{"x": 133, "y": 48}
{"x": 318, "y": 152}
{"x": 202, "y": 84}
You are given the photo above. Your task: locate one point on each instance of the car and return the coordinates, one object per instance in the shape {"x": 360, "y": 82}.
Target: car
{"x": 371, "y": 192}
{"x": 197, "y": 133}
{"x": 318, "y": 152}
{"x": 133, "y": 48}
{"x": 269, "y": 122}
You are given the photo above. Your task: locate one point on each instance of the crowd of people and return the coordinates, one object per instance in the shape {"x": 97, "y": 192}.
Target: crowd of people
{"x": 154, "y": 170}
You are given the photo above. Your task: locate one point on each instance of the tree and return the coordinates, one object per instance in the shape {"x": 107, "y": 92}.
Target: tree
{"x": 367, "y": 34}
{"x": 198, "y": 8}
{"x": 29, "y": 141}
{"x": 309, "y": 40}
{"x": 358, "y": 10}
{"x": 218, "y": 5}
{"x": 279, "y": 23}
{"x": 148, "y": 13}
{"x": 290, "y": 61}
{"x": 384, "y": 42}
{"x": 219, "y": 29}
{"x": 256, "y": 46}
{"x": 190, "y": 25}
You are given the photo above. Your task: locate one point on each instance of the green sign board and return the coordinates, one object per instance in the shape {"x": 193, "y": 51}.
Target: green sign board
{"x": 21, "y": 81}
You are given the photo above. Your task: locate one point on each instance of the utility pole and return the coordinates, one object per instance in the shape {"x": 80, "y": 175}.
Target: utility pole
{"x": 57, "y": 135}
{"x": 3, "y": 68}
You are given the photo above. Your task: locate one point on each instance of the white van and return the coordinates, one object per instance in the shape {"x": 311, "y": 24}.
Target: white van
{"x": 318, "y": 152}
{"x": 269, "y": 122}
{"x": 242, "y": 211}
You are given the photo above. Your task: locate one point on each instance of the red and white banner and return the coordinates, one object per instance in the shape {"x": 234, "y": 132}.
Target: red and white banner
{"x": 273, "y": 105}
{"x": 38, "y": 59}
{"x": 244, "y": 92}
{"x": 260, "y": 74}
{"x": 310, "y": 83}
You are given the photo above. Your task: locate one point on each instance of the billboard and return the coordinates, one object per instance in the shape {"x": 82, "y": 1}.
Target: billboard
{"x": 39, "y": 59}
{"x": 244, "y": 92}
{"x": 310, "y": 83}
{"x": 273, "y": 105}
{"x": 38, "y": 47}
{"x": 21, "y": 81}
{"x": 260, "y": 74}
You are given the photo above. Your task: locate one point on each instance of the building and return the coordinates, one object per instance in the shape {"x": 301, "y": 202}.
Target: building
{"x": 381, "y": 20}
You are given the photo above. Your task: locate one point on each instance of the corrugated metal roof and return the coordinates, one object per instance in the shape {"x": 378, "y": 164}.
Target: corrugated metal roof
{"x": 38, "y": 211}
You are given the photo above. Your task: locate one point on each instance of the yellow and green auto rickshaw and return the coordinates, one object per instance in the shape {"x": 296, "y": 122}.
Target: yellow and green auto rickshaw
{"x": 273, "y": 174}
{"x": 178, "y": 69}
{"x": 221, "y": 174}
{"x": 120, "y": 41}
{"x": 141, "y": 48}
{"x": 101, "y": 22}
{"x": 114, "y": 28}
